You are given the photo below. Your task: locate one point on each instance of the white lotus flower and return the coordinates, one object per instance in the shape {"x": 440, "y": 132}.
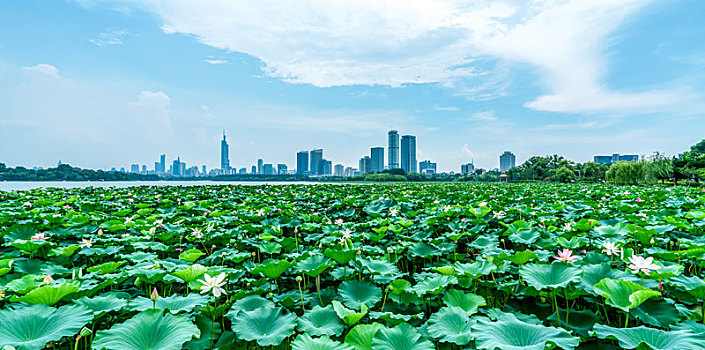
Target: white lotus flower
{"x": 339, "y": 222}
{"x": 197, "y": 233}
{"x": 640, "y": 264}
{"x": 213, "y": 284}
{"x": 393, "y": 211}
{"x": 39, "y": 237}
{"x": 611, "y": 248}
{"x": 86, "y": 243}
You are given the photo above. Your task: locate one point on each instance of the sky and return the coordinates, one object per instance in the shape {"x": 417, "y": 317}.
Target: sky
{"x": 108, "y": 83}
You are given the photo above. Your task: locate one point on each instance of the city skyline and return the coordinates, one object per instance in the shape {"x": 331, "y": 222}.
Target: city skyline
{"x": 100, "y": 84}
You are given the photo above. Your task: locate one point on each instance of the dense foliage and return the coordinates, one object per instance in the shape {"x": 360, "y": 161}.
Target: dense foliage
{"x": 66, "y": 172}
{"x": 424, "y": 266}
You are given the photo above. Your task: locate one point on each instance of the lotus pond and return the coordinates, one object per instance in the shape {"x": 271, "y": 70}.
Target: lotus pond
{"x": 393, "y": 267}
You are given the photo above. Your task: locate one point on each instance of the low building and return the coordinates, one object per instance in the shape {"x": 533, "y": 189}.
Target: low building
{"x": 616, "y": 158}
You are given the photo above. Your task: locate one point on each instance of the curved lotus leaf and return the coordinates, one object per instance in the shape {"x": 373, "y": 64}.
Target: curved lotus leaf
{"x": 268, "y": 326}
{"x": 424, "y": 250}
{"x": 6, "y": 266}
{"x": 434, "y": 284}
{"x": 272, "y": 269}
{"x": 399, "y": 286}
{"x": 102, "y": 304}
{"x": 528, "y": 236}
{"x": 580, "y": 321}
{"x": 47, "y": 295}
{"x": 191, "y": 255}
{"x": 348, "y": 316}
{"x": 147, "y": 330}
{"x": 693, "y": 285}
{"x": 401, "y": 337}
{"x": 657, "y": 313}
{"x": 314, "y": 265}
{"x": 249, "y": 303}
{"x": 622, "y": 294}
{"x": 305, "y": 342}
{"x": 552, "y": 276}
{"x": 690, "y": 326}
{"x": 192, "y": 273}
{"x": 356, "y": 293}
{"x": 360, "y": 337}
{"x": 31, "y": 327}
{"x": 175, "y": 303}
{"x": 518, "y": 258}
{"x": 594, "y": 273}
{"x": 450, "y": 324}
{"x": 24, "y": 284}
{"x": 467, "y": 301}
{"x": 320, "y": 321}
{"x": 510, "y": 333}
{"x": 657, "y": 339}
{"x": 340, "y": 255}
{"x": 474, "y": 269}
{"x": 379, "y": 267}
{"x": 106, "y": 267}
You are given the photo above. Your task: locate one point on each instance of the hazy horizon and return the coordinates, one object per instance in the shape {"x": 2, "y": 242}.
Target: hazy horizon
{"x": 102, "y": 83}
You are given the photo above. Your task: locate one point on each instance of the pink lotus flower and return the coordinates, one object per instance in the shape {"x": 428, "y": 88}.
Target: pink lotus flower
{"x": 639, "y": 200}
{"x": 565, "y": 255}
{"x": 39, "y": 237}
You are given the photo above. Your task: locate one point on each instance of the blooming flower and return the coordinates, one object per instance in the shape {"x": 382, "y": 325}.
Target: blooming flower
{"x": 39, "y": 237}
{"x": 213, "y": 284}
{"x": 639, "y": 200}
{"x": 483, "y": 204}
{"x": 86, "y": 243}
{"x": 641, "y": 264}
{"x": 197, "y": 233}
{"x": 260, "y": 212}
{"x": 611, "y": 248}
{"x": 128, "y": 220}
{"x": 565, "y": 255}
{"x": 393, "y": 211}
{"x": 339, "y": 222}
{"x": 346, "y": 234}
{"x": 499, "y": 214}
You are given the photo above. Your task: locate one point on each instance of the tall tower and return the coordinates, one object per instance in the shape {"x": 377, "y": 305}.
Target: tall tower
{"x": 408, "y": 153}
{"x": 224, "y": 154}
{"x": 315, "y": 161}
{"x": 377, "y": 159}
{"x": 393, "y": 149}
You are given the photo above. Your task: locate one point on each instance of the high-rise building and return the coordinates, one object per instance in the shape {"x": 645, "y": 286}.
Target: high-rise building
{"x": 162, "y": 165}
{"x": 427, "y": 167}
{"x": 393, "y": 149}
{"x": 203, "y": 170}
{"x": 144, "y": 169}
{"x": 134, "y": 168}
{"x": 349, "y": 171}
{"x": 254, "y": 170}
{"x": 377, "y": 159}
{"x": 616, "y": 158}
{"x": 408, "y": 153}
{"x": 260, "y": 166}
{"x": 365, "y": 164}
{"x": 302, "y": 162}
{"x": 177, "y": 167}
{"x": 467, "y": 169}
{"x": 316, "y": 157}
{"x": 242, "y": 171}
{"x": 338, "y": 170}
{"x": 282, "y": 169}
{"x": 224, "y": 155}
{"x": 267, "y": 169}
{"x": 507, "y": 161}
{"x": 326, "y": 167}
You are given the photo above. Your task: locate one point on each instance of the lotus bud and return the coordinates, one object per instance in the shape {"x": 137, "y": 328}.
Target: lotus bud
{"x": 253, "y": 254}
{"x": 359, "y": 252}
{"x": 2, "y": 293}
{"x": 298, "y": 279}
{"x": 652, "y": 240}
{"x": 389, "y": 288}
{"x": 47, "y": 279}
{"x": 155, "y": 295}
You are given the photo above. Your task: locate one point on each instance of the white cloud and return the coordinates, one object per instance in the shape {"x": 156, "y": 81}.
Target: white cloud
{"x": 486, "y": 116}
{"x": 446, "y": 109}
{"x": 44, "y": 68}
{"x": 214, "y": 61}
{"x": 151, "y": 114}
{"x": 109, "y": 38}
{"x": 371, "y": 42}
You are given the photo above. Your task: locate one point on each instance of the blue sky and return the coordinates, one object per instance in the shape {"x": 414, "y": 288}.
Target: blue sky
{"x": 100, "y": 83}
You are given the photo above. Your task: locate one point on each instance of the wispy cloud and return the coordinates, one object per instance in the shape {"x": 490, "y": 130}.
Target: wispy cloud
{"x": 214, "y": 61}
{"x": 43, "y": 68}
{"x": 109, "y": 38}
{"x": 446, "y": 109}
{"x": 486, "y": 116}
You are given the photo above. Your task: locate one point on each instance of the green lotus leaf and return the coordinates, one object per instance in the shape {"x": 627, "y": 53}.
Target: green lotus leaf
{"x": 379, "y": 267}
{"x": 424, "y": 250}
{"x": 693, "y": 285}
{"x": 320, "y": 321}
{"x": 518, "y": 258}
{"x": 268, "y": 326}
{"x": 6, "y": 266}
{"x": 348, "y": 316}
{"x": 249, "y": 303}
{"x": 63, "y": 252}
{"x": 314, "y": 265}
{"x": 510, "y": 333}
{"x": 467, "y": 301}
{"x": 360, "y": 337}
{"x": 38, "y": 266}
{"x": 191, "y": 274}
{"x": 175, "y": 303}
{"x": 28, "y": 246}
{"x": 106, "y": 267}
{"x": 657, "y": 339}
{"x": 102, "y": 304}
{"x": 47, "y": 295}
{"x": 31, "y": 327}
{"x": 580, "y": 321}
{"x": 524, "y": 236}
{"x": 356, "y": 293}
{"x": 191, "y": 255}
{"x": 305, "y": 342}
{"x": 272, "y": 269}
{"x": 340, "y": 255}
{"x": 475, "y": 269}
{"x": 148, "y": 329}
{"x": 658, "y": 313}
{"x": 399, "y": 286}
{"x": 594, "y": 273}
{"x": 24, "y": 284}
{"x": 622, "y": 294}
{"x": 401, "y": 337}
{"x": 451, "y": 325}
{"x": 434, "y": 284}
{"x": 551, "y": 276}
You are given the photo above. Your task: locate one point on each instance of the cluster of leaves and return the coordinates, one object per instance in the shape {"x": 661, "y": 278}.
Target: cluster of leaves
{"x": 65, "y": 172}
{"x": 425, "y": 266}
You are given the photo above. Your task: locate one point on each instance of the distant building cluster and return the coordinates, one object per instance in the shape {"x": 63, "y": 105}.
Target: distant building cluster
{"x": 507, "y": 161}
{"x": 616, "y": 157}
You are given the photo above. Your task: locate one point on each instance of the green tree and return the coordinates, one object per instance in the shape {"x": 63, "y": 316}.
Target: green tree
{"x": 564, "y": 174}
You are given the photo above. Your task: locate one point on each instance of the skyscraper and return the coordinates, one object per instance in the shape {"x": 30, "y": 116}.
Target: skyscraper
{"x": 282, "y": 169}
{"x": 427, "y": 167}
{"x": 408, "y": 153}
{"x": 393, "y": 149}
{"x": 224, "y": 155}
{"x": 254, "y": 170}
{"x": 507, "y": 161}
{"x": 365, "y": 164}
{"x": 316, "y": 157}
{"x": 260, "y": 166}
{"x": 134, "y": 168}
{"x": 326, "y": 167}
{"x": 160, "y": 167}
{"x": 377, "y": 159}
{"x": 339, "y": 170}
{"x": 302, "y": 162}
